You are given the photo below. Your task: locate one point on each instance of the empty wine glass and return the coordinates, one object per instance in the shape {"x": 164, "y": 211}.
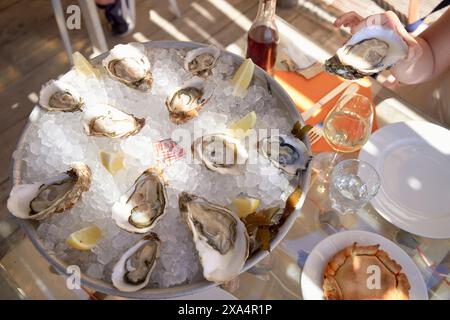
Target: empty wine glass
{"x": 353, "y": 184}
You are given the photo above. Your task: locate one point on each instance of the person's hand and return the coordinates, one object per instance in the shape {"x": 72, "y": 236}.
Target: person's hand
{"x": 349, "y": 20}
{"x": 387, "y": 20}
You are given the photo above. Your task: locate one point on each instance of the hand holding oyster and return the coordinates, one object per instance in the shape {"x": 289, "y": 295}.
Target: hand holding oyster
{"x": 369, "y": 51}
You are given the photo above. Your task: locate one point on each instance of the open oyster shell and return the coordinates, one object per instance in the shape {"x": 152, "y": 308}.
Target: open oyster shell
{"x": 201, "y": 61}
{"x": 220, "y": 237}
{"x": 143, "y": 204}
{"x": 185, "y": 102}
{"x": 129, "y": 64}
{"x": 106, "y": 121}
{"x": 221, "y": 153}
{"x": 57, "y": 95}
{"x": 40, "y": 199}
{"x": 288, "y": 153}
{"x": 369, "y": 51}
{"x": 133, "y": 270}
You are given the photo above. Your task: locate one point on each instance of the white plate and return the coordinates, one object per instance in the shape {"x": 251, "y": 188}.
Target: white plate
{"x": 312, "y": 274}
{"x": 413, "y": 161}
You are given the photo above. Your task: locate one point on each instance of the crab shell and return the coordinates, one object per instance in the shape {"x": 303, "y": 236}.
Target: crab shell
{"x": 136, "y": 51}
{"x": 21, "y": 195}
{"x": 54, "y": 86}
{"x": 119, "y": 272}
{"x": 127, "y": 124}
{"x": 201, "y": 71}
{"x": 217, "y": 267}
{"x": 228, "y": 146}
{"x": 121, "y": 210}
{"x": 182, "y": 115}
{"x": 344, "y": 65}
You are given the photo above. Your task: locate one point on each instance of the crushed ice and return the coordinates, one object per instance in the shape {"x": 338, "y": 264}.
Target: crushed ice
{"x": 58, "y": 139}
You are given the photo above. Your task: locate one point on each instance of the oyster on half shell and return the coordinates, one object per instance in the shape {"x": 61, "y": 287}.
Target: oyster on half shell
{"x": 57, "y": 95}
{"x": 288, "y": 153}
{"x": 143, "y": 204}
{"x": 40, "y": 199}
{"x": 221, "y": 153}
{"x": 129, "y": 64}
{"x": 220, "y": 237}
{"x": 369, "y": 51}
{"x": 201, "y": 61}
{"x": 185, "y": 102}
{"x": 106, "y": 121}
{"x": 133, "y": 270}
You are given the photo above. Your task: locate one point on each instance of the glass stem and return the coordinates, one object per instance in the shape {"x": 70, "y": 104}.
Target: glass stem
{"x": 333, "y": 161}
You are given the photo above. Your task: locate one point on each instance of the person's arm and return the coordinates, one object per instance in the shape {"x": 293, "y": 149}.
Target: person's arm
{"x": 437, "y": 37}
{"x": 428, "y": 54}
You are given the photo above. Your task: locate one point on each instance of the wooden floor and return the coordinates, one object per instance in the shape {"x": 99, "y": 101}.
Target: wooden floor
{"x": 31, "y": 51}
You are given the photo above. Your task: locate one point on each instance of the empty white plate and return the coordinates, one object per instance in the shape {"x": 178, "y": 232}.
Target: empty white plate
{"x": 413, "y": 161}
{"x": 312, "y": 274}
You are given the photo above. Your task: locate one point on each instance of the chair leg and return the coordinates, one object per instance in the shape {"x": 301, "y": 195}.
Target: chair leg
{"x": 93, "y": 25}
{"x": 414, "y": 11}
{"x": 129, "y": 12}
{"x": 61, "y": 22}
{"x": 175, "y": 8}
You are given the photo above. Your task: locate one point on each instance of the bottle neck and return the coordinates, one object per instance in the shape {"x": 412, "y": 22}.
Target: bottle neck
{"x": 266, "y": 11}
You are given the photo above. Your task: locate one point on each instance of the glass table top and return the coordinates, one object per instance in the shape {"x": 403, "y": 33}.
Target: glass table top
{"x": 24, "y": 274}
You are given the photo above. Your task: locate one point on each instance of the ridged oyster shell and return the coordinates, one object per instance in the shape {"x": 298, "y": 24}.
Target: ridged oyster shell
{"x": 57, "y": 95}
{"x": 221, "y": 153}
{"x": 133, "y": 270}
{"x": 143, "y": 204}
{"x": 220, "y": 237}
{"x": 41, "y": 199}
{"x": 129, "y": 64}
{"x": 106, "y": 121}
{"x": 201, "y": 61}
{"x": 288, "y": 153}
{"x": 186, "y": 101}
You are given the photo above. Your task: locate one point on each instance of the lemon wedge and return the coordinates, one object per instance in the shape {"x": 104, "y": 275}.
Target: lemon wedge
{"x": 113, "y": 162}
{"x": 241, "y": 127}
{"x": 244, "y": 206}
{"x": 83, "y": 66}
{"x": 242, "y": 78}
{"x": 84, "y": 239}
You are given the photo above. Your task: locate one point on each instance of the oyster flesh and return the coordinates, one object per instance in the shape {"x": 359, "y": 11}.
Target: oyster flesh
{"x": 106, "y": 121}
{"x": 57, "y": 95}
{"x": 41, "y": 199}
{"x": 369, "y": 51}
{"x": 221, "y": 153}
{"x": 288, "y": 153}
{"x": 220, "y": 237}
{"x": 185, "y": 102}
{"x": 129, "y": 64}
{"x": 143, "y": 204}
{"x": 133, "y": 270}
{"x": 201, "y": 61}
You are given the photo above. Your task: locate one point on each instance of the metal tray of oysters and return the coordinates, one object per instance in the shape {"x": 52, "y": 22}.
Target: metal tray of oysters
{"x": 133, "y": 144}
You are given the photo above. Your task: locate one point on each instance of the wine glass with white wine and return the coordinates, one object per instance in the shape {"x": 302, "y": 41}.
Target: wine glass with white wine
{"x": 346, "y": 128}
